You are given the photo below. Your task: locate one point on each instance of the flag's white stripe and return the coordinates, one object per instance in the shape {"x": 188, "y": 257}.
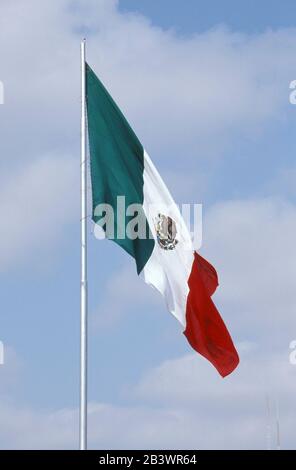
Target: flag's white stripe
{"x": 167, "y": 270}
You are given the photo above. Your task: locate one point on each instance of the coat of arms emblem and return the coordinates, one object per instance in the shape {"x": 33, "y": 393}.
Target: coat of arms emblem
{"x": 166, "y": 232}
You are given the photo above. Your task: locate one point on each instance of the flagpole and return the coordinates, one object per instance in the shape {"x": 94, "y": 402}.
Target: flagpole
{"x": 268, "y": 425}
{"x": 278, "y": 439}
{"x": 83, "y": 291}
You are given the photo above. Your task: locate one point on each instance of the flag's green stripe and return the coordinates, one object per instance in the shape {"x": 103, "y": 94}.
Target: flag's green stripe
{"x": 116, "y": 161}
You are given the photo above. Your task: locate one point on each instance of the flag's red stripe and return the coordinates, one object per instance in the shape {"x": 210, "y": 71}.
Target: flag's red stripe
{"x": 205, "y": 329}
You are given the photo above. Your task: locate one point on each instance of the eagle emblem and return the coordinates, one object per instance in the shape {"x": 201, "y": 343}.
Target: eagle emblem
{"x": 166, "y": 232}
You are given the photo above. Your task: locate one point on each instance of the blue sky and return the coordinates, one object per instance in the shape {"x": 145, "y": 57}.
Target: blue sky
{"x": 206, "y": 87}
{"x": 196, "y": 16}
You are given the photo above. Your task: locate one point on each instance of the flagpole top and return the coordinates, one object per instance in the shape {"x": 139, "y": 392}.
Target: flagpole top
{"x": 83, "y": 47}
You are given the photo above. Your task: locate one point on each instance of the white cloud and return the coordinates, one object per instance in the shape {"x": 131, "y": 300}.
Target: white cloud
{"x": 25, "y": 428}
{"x": 36, "y": 203}
{"x": 10, "y": 371}
{"x": 236, "y": 404}
{"x": 182, "y": 404}
{"x": 251, "y": 243}
{"x": 124, "y": 293}
{"x": 195, "y": 93}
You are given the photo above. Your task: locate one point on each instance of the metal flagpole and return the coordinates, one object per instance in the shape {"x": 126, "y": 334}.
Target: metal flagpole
{"x": 278, "y": 438}
{"x": 268, "y": 424}
{"x": 83, "y": 292}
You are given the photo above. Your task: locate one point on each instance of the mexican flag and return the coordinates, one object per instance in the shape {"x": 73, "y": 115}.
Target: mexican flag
{"x": 150, "y": 227}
